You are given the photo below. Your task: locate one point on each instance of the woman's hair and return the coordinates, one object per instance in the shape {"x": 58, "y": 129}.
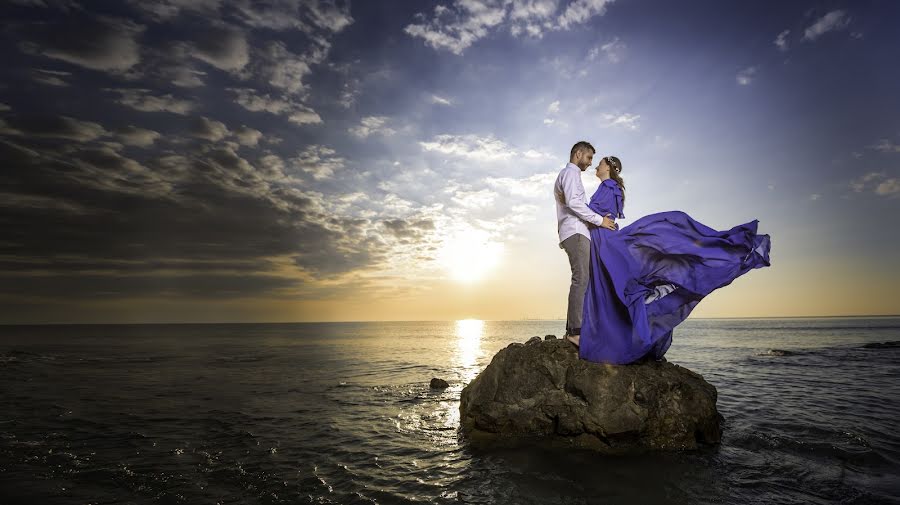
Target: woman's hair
{"x": 615, "y": 168}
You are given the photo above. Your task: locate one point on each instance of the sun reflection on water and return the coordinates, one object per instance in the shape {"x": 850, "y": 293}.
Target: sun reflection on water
{"x": 468, "y": 337}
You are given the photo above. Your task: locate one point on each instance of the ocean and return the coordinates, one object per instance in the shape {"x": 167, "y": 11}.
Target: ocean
{"x": 342, "y": 413}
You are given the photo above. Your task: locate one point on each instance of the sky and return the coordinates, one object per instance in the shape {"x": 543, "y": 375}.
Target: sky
{"x": 290, "y": 160}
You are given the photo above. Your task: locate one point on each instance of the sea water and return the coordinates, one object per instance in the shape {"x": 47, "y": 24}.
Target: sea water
{"x": 342, "y": 413}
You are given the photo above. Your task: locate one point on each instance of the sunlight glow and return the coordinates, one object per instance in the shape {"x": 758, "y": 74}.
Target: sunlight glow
{"x": 469, "y": 255}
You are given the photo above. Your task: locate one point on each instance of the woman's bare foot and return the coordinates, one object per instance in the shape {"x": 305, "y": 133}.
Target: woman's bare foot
{"x": 573, "y": 338}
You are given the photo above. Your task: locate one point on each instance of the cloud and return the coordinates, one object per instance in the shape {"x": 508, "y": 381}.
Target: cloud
{"x": 55, "y": 127}
{"x": 470, "y": 146}
{"x": 64, "y": 5}
{"x": 284, "y": 69}
{"x": 464, "y": 22}
{"x": 533, "y": 186}
{"x": 746, "y": 76}
{"x": 134, "y": 136}
{"x": 142, "y": 100}
{"x": 372, "y": 125}
{"x": 98, "y": 43}
{"x": 531, "y": 17}
{"x": 885, "y": 146}
{"x": 209, "y": 129}
{"x": 308, "y": 16}
{"x": 318, "y": 161}
{"x": 304, "y": 115}
{"x": 878, "y": 183}
{"x": 533, "y": 154}
{"x": 458, "y": 28}
{"x": 625, "y": 121}
{"x": 408, "y": 229}
{"x": 580, "y": 11}
{"x": 834, "y": 20}
{"x": 229, "y": 230}
{"x": 165, "y": 10}
{"x": 440, "y": 100}
{"x": 781, "y": 40}
{"x": 552, "y": 110}
{"x": 50, "y": 77}
{"x": 662, "y": 142}
{"x": 888, "y": 187}
{"x": 474, "y": 199}
{"x": 295, "y": 111}
{"x": 247, "y": 136}
{"x": 614, "y": 51}
{"x": 223, "y": 47}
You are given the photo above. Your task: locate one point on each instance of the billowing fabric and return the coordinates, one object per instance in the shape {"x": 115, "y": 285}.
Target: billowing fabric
{"x": 645, "y": 278}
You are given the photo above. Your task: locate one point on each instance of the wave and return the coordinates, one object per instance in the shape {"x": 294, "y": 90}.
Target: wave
{"x": 883, "y": 345}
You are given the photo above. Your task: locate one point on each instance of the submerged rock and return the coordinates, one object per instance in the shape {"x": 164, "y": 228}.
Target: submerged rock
{"x": 544, "y": 393}
{"x": 439, "y": 383}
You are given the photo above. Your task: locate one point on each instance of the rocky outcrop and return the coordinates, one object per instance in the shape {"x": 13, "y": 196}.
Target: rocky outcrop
{"x": 541, "y": 392}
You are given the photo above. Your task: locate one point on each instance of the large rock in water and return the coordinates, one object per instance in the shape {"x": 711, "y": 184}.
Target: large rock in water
{"x": 541, "y": 392}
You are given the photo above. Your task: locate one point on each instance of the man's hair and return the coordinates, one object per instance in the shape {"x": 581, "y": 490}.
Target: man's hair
{"x": 579, "y": 146}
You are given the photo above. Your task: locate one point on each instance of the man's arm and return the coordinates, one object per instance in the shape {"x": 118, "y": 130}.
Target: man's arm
{"x": 573, "y": 195}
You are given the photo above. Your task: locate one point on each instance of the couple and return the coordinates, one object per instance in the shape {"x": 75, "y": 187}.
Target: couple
{"x": 632, "y": 286}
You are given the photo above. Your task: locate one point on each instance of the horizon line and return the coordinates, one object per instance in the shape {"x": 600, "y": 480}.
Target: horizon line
{"x": 423, "y": 320}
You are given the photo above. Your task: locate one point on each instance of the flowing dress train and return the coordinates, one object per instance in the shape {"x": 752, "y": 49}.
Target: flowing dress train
{"x": 645, "y": 278}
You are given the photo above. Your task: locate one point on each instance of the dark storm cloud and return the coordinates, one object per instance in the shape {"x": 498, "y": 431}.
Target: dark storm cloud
{"x": 98, "y": 43}
{"x": 94, "y": 210}
{"x": 87, "y": 286}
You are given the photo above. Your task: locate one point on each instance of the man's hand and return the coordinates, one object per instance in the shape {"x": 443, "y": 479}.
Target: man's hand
{"x": 608, "y": 223}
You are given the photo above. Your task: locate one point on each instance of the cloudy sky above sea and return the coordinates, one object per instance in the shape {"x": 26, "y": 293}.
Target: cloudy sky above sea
{"x": 290, "y": 160}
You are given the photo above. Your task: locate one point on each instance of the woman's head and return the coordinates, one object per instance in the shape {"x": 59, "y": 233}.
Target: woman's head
{"x": 610, "y": 167}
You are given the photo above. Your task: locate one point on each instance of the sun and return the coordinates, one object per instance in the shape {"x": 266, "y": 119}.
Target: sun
{"x": 469, "y": 255}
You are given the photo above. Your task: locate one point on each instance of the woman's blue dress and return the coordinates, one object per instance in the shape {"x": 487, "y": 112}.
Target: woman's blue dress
{"x": 647, "y": 277}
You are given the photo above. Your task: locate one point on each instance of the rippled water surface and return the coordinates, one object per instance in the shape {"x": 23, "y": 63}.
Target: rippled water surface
{"x": 343, "y": 413}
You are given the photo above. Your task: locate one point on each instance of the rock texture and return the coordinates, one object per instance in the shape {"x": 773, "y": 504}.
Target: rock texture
{"x": 541, "y": 392}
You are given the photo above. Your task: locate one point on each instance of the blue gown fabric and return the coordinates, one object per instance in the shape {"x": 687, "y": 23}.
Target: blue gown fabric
{"x": 645, "y": 278}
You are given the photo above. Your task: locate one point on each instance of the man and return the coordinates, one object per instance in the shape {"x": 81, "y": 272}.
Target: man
{"x": 572, "y": 214}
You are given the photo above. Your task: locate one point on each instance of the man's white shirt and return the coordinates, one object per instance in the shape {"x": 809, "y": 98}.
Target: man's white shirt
{"x": 571, "y": 204}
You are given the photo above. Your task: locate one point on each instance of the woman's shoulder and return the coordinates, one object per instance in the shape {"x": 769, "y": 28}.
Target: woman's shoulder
{"x": 611, "y": 183}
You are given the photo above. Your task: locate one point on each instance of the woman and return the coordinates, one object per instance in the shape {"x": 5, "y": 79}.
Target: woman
{"x": 647, "y": 277}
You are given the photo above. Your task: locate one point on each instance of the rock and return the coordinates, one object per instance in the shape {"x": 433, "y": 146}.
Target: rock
{"x": 439, "y": 383}
{"x": 533, "y": 340}
{"x": 543, "y": 393}
{"x": 549, "y": 337}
